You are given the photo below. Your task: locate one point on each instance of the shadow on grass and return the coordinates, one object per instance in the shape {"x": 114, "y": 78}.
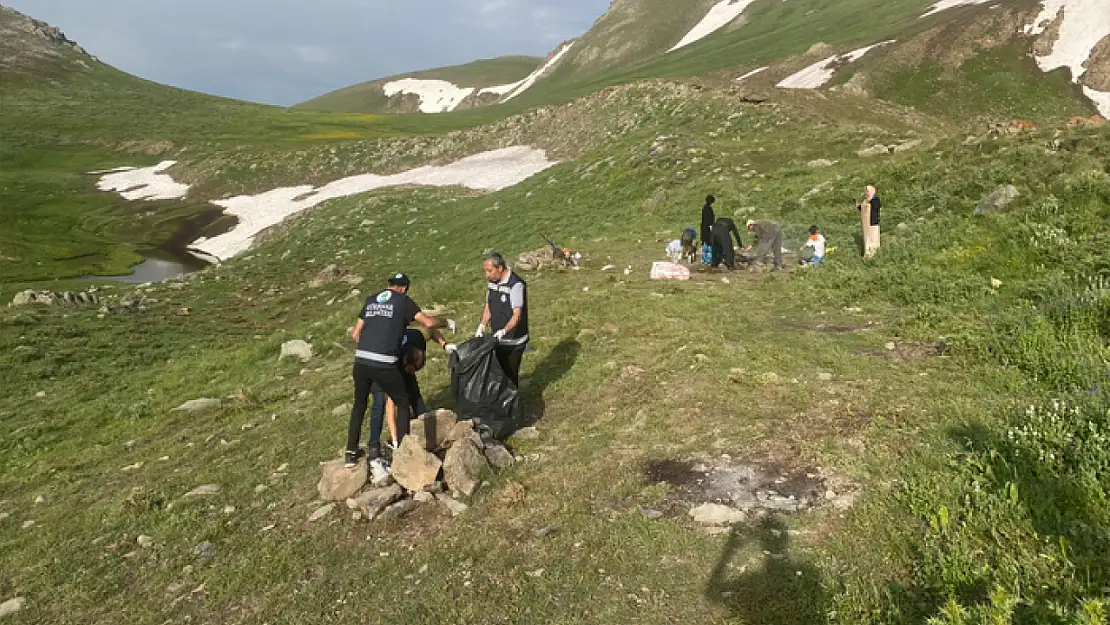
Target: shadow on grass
{"x": 553, "y": 368}
{"x": 780, "y": 590}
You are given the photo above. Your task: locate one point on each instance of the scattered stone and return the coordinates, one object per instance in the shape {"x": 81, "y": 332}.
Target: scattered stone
{"x": 196, "y": 405}
{"x": 498, "y": 456}
{"x": 328, "y": 274}
{"x": 527, "y": 433}
{"x": 454, "y": 506}
{"x": 651, "y": 515}
{"x": 399, "y": 509}
{"x": 890, "y": 346}
{"x": 40, "y": 394}
{"x": 341, "y": 410}
{"x": 463, "y": 467}
{"x": 413, "y": 467}
{"x": 545, "y": 531}
{"x": 321, "y": 512}
{"x": 205, "y": 550}
{"x": 296, "y": 349}
{"x": 424, "y": 497}
{"x": 999, "y": 198}
{"x": 824, "y": 376}
{"x": 907, "y": 145}
{"x": 716, "y": 514}
{"x": 338, "y": 482}
{"x": 996, "y": 283}
{"x": 261, "y": 488}
{"x": 54, "y": 298}
{"x": 28, "y": 524}
{"x": 821, "y": 162}
{"x": 12, "y": 606}
{"x": 536, "y": 573}
{"x": 435, "y": 431}
{"x": 40, "y": 499}
{"x": 372, "y": 502}
{"x": 874, "y": 150}
{"x": 204, "y": 490}
{"x": 144, "y": 541}
{"x": 229, "y": 509}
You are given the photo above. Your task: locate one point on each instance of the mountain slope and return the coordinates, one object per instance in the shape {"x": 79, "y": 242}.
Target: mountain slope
{"x": 372, "y": 97}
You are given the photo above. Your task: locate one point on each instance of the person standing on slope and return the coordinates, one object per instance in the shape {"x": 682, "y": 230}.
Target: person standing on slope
{"x": 722, "y": 244}
{"x": 506, "y": 313}
{"x": 708, "y": 218}
{"x": 379, "y": 331}
{"x": 869, "y": 221}
{"x": 769, "y": 236}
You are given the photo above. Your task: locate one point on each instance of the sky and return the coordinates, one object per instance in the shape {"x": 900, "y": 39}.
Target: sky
{"x": 287, "y": 51}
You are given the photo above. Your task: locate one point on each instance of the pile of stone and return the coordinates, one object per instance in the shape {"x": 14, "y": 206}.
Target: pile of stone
{"x": 546, "y": 258}
{"x": 441, "y": 461}
{"x": 332, "y": 273}
{"x": 54, "y": 298}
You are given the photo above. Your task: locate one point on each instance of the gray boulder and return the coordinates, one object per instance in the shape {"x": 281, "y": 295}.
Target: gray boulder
{"x": 413, "y": 467}
{"x": 338, "y": 482}
{"x": 463, "y": 467}
{"x": 296, "y": 349}
{"x": 371, "y": 503}
{"x": 196, "y": 405}
{"x": 997, "y": 199}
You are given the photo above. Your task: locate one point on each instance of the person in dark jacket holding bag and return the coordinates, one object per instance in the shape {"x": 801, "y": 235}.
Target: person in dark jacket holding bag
{"x": 506, "y": 313}
{"x": 869, "y": 221}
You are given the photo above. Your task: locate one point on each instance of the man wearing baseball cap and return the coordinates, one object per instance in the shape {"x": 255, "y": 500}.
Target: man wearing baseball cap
{"x": 379, "y": 332}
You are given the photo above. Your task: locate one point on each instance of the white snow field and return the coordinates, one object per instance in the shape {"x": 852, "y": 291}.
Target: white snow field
{"x": 751, "y": 73}
{"x": 942, "y": 5}
{"x": 512, "y": 90}
{"x": 143, "y": 183}
{"x": 1085, "y": 23}
{"x": 822, "y": 71}
{"x": 436, "y": 96}
{"x": 719, "y": 16}
{"x": 486, "y": 171}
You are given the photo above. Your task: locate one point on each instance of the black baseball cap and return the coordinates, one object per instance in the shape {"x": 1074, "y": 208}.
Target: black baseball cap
{"x": 399, "y": 279}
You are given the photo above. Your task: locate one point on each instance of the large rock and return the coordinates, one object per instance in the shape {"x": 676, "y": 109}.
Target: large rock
{"x": 463, "y": 466}
{"x": 373, "y": 501}
{"x": 997, "y": 199}
{"x": 52, "y": 298}
{"x": 337, "y": 482}
{"x": 716, "y": 514}
{"x": 413, "y": 467}
{"x": 321, "y": 512}
{"x": 454, "y": 506}
{"x": 12, "y": 606}
{"x": 196, "y": 405}
{"x": 204, "y": 490}
{"x": 296, "y": 349}
{"x": 399, "y": 509}
{"x": 433, "y": 431}
{"x": 328, "y": 274}
{"x": 874, "y": 150}
{"x": 498, "y": 456}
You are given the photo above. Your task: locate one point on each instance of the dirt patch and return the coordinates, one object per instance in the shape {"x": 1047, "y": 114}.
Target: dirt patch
{"x": 906, "y": 351}
{"x": 751, "y": 487}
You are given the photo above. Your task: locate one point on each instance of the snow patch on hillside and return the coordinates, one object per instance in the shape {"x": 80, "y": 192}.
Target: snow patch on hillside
{"x": 487, "y": 171}
{"x": 942, "y": 5}
{"x": 1085, "y": 23}
{"x": 751, "y": 73}
{"x": 436, "y": 96}
{"x": 822, "y": 71}
{"x": 717, "y": 18}
{"x": 512, "y": 90}
{"x": 143, "y": 183}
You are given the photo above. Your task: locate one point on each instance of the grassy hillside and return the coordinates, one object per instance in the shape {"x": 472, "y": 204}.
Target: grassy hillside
{"x": 368, "y": 97}
{"x": 906, "y": 380}
{"x": 949, "y": 398}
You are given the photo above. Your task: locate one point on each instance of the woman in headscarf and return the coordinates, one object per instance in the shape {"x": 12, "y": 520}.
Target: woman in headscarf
{"x": 708, "y": 218}
{"x": 869, "y": 221}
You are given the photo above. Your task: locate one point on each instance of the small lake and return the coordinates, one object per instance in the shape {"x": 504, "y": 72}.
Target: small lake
{"x": 160, "y": 264}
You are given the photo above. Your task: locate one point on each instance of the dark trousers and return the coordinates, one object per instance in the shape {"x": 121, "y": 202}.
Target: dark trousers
{"x": 509, "y": 357}
{"x": 377, "y": 413}
{"x": 722, "y": 250}
{"x": 391, "y": 380}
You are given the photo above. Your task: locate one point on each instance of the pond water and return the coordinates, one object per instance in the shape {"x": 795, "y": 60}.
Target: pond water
{"x": 160, "y": 264}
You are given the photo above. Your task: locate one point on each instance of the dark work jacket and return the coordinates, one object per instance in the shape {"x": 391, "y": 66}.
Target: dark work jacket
{"x": 707, "y": 219}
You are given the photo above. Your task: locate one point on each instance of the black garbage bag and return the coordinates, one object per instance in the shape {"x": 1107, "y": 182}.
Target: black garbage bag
{"x": 483, "y": 393}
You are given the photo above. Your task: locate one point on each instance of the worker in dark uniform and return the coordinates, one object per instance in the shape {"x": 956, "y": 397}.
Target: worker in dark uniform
{"x": 722, "y": 244}
{"x": 506, "y": 313}
{"x": 379, "y": 331}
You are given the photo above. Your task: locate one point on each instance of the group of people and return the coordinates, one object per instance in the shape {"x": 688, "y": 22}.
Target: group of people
{"x": 390, "y": 353}
{"x": 717, "y": 235}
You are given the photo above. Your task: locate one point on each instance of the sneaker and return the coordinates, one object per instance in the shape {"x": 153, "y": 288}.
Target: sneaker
{"x": 352, "y": 458}
{"x": 379, "y": 473}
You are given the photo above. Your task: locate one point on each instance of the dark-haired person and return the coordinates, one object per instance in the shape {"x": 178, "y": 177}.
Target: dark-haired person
{"x": 722, "y": 229}
{"x": 708, "y": 218}
{"x": 506, "y": 314}
{"x": 379, "y": 332}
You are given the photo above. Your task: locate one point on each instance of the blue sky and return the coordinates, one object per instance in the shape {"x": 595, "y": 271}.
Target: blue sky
{"x": 287, "y": 51}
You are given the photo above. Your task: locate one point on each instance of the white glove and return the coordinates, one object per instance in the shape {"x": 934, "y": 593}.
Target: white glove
{"x": 452, "y": 326}
{"x": 480, "y": 332}
{"x": 450, "y": 348}
{"x": 500, "y": 334}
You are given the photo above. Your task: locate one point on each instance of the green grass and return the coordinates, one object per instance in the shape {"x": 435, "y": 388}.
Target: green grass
{"x": 368, "y": 97}
{"x": 917, "y": 435}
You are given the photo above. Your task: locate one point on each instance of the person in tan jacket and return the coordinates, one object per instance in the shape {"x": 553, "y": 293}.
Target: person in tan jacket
{"x": 869, "y": 221}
